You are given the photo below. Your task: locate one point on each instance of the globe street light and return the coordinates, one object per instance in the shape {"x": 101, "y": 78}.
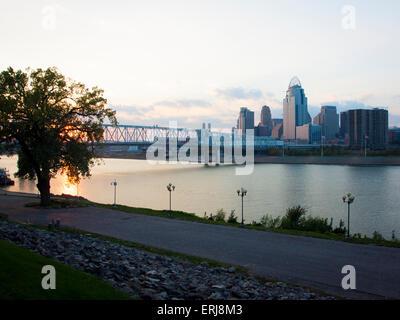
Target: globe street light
{"x": 170, "y": 188}
{"x": 349, "y": 199}
{"x": 242, "y": 193}
{"x": 115, "y": 192}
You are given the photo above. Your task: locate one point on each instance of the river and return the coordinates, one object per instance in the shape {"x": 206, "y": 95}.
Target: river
{"x": 272, "y": 188}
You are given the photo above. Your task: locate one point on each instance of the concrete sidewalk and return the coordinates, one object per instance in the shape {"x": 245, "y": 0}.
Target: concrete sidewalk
{"x": 305, "y": 261}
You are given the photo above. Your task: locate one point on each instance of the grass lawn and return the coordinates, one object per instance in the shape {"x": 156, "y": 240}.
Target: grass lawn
{"x": 21, "y": 277}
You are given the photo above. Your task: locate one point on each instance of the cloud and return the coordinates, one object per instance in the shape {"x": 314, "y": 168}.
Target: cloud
{"x": 184, "y": 103}
{"x": 239, "y": 93}
{"x": 187, "y": 112}
{"x": 221, "y": 109}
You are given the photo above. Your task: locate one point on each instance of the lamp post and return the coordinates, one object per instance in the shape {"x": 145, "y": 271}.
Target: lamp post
{"x": 349, "y": 199}
{"x": 115, "y": 192}
{"x": 242, "y": 193}
{"x": 170, "y": 188}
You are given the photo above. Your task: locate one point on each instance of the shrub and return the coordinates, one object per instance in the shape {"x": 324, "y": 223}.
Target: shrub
{"x": 341, "y": 229}
{"x": 270, "y": 222}
{"x": 232, "y": 217}
{"x": 377, "y": 236}
{"x": 316, "y": 224}
{"x": 220, "y": 215}
{"x": 293, "y": 218}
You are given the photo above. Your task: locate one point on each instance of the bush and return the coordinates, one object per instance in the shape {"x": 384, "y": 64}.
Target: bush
{"x": 270, "y": 222}
{"x": 316, "y": 224}
{"x": 294, "y": 218}
{"x": 232, "y": 217}
{"x": 341, "y": 229}
{"x": 220, "y": 216}
{"x": 377, "y": 236}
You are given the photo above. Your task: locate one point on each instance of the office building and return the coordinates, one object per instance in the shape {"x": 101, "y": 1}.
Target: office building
{"x": 366, "y": 126}
{"x": 394, "y": 135}
{"x": 328, "y": 119}
{"x": 277, "y": 131}
{"x": 264, "y": 128}
{"x": 246, "y": 120}
{"x": 308, "y": 134}
{"x": 295, "y": 110}
{"x": 344, "y": 125}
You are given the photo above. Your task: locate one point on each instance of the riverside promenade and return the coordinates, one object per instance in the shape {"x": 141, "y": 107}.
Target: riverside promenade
{"x": 316, "y": 263}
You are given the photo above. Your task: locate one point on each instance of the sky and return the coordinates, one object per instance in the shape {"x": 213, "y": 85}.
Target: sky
{"x": 200, "y": 61}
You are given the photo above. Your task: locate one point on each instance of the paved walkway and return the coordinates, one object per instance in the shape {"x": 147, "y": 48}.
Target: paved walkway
{"x": 301, "y": 260}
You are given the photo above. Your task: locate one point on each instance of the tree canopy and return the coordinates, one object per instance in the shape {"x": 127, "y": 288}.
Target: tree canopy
{"x": 52, "y": 123}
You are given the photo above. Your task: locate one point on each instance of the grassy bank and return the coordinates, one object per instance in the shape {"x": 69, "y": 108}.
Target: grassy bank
{"x": 21, "y": 277}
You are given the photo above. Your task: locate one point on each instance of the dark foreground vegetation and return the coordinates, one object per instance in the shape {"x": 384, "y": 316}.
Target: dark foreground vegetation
{"x": 21, "y": 277}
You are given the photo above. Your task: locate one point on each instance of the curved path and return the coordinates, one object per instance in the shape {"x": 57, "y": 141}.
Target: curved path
{"x": 305, "y": 261}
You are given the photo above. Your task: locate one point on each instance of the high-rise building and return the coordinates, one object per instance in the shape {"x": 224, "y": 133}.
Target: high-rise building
{"x": 246, "y": 120}
{"x": 344, "y": 125}
{"x": 366, "y": 126}
{"x": 264, "y": 128}
{"x": 295, "y": 110}
{"x": 394, "y": 135}
{"x": 266, "y": 118}
{"x": 328, "y": 119}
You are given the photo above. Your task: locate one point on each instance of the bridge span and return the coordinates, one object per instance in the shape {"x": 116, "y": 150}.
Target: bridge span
{"x": 147, "y": 135}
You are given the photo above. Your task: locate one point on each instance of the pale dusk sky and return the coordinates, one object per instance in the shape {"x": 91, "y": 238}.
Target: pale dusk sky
{"x": 200, "y": 61}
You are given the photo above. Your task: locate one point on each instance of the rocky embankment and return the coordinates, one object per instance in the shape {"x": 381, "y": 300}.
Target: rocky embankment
{"x": 145, "y": 275}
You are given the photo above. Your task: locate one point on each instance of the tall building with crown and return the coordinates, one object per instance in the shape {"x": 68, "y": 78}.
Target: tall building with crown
{"x": 295, "y": 110}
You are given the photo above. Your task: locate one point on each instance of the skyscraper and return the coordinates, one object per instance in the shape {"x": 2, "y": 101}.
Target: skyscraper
{"x": 264, "y": 128}
{"x": 344, "y": 125}
{"x": 266, "y": 118}
{"x": 295, "y": 110}
{"x": 370, "y": 126}
{"x": 328, "y": 119}
{"x": 246, "y": 120}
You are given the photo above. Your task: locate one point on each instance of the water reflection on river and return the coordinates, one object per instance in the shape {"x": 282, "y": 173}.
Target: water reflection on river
{"x": 271, "y": 189}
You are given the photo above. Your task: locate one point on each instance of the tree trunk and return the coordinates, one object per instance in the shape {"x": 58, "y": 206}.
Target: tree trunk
{"x": 44, "y": 188}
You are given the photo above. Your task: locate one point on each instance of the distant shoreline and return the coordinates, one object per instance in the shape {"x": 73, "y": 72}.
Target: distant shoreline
{"x": 315, "y": 160}
{"x": 331, "y": 160}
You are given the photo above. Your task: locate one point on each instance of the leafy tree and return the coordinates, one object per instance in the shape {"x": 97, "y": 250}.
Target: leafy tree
{"x": 52, "y": 123}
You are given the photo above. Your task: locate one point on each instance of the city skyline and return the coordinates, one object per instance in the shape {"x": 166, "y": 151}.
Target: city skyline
{"x": 208, "y": 59}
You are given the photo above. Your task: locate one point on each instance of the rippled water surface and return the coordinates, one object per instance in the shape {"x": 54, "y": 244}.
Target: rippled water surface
{"x": 271, "y": 189}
